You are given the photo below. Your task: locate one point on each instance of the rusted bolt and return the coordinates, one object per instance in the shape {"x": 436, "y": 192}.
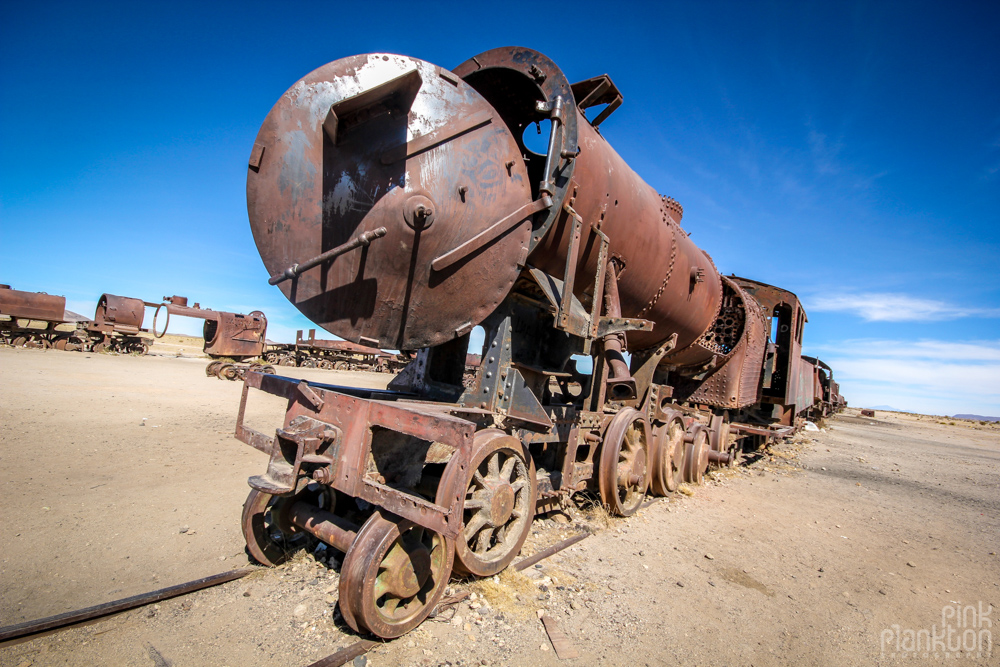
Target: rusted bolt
{"x": 537, "y": 73}
{"x": 418, "y": 212}
{"x": 321, "y": 475}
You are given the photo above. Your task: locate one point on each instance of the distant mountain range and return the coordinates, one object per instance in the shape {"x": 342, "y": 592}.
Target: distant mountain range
{"x": 978, "y": 418}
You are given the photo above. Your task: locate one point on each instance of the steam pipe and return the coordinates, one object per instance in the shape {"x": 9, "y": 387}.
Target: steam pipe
{"x": 621, "y": 384}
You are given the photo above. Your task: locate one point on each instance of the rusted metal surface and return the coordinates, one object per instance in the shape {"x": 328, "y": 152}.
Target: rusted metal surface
{"x": 336, "y": 345}
{"x": 32, "y": 305}
{"x": 826, "y": 391}
{"x": 393, "y": 576}
{"x": 345, "y": 655}
{"x": 381, "y": 141}
{"x": 38, "y": 320}
{"x": 499, "y": 502}
{"x": 624, "y": 468}
{"x": 227, "y": 371}
{"x": 867, "y": 413}
{"x": 397, "y": 206}
{"x": 226, "y": 334}
{"x": 736, "y": 342}
{"x": 122, "y": 314}
{"x": 667, "y": 454}
{"x": 786, "y": 321}
{"x": 525, "y": 563}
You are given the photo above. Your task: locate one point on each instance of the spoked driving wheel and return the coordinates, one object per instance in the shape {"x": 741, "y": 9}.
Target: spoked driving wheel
{"x": 499, "y": 504}
{"x": 667, "y": 458}
{"x": 623, "y": 476}
{"x": 393, "y": 575}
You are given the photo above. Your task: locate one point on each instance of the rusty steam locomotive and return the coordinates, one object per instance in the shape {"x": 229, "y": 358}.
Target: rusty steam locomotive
{"x": 396, "y": 205}
{"x": 39, "y": 320}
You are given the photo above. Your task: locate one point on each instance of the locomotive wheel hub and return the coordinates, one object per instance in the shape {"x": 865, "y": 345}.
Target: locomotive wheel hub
{"x": 501, "y": 503}
{"x": 633, "y": 475}
{"x": 406, "y": 571}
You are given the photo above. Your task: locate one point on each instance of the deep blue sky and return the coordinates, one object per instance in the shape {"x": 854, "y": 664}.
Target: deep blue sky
{"x": 849, "y": 152}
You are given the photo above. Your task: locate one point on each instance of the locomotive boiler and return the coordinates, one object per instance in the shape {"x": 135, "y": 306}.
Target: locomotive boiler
{"x": 396, "y": 204}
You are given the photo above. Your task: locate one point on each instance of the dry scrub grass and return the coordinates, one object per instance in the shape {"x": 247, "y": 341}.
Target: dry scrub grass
{"x": 597, "y": 517}
{"x": 501, "y": 592}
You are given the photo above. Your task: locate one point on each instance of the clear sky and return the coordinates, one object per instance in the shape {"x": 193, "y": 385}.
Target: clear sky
{"x": 849, "y": 152}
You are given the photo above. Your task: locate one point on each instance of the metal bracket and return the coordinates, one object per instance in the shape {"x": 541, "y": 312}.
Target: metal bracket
{"x": 555, "y": 110}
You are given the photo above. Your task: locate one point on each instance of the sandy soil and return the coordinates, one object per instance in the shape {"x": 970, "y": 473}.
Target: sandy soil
{"x": 804, "y": 556}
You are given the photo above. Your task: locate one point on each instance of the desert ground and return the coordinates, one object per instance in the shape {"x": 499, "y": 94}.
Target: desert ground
{"x": 120, "y": 475}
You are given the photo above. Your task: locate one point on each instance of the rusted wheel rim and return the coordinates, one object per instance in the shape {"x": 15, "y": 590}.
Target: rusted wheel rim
{"x": 500, "y": 490}
{"x": 213, "y": 368}
{"x": 623, "y": 477}
{"x": 270, "y": 536}
{"x": 677, "y": 460}
{"x": 696, "y": 458}
{"x": 666, "y": 472}
{"x": 719, "y": 439}
{"x": 266, "y": 542}
{"x": 393, "y": 576}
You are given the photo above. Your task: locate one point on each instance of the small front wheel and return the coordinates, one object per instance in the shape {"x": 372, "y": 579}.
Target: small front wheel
{"x": 393, "y": 576}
